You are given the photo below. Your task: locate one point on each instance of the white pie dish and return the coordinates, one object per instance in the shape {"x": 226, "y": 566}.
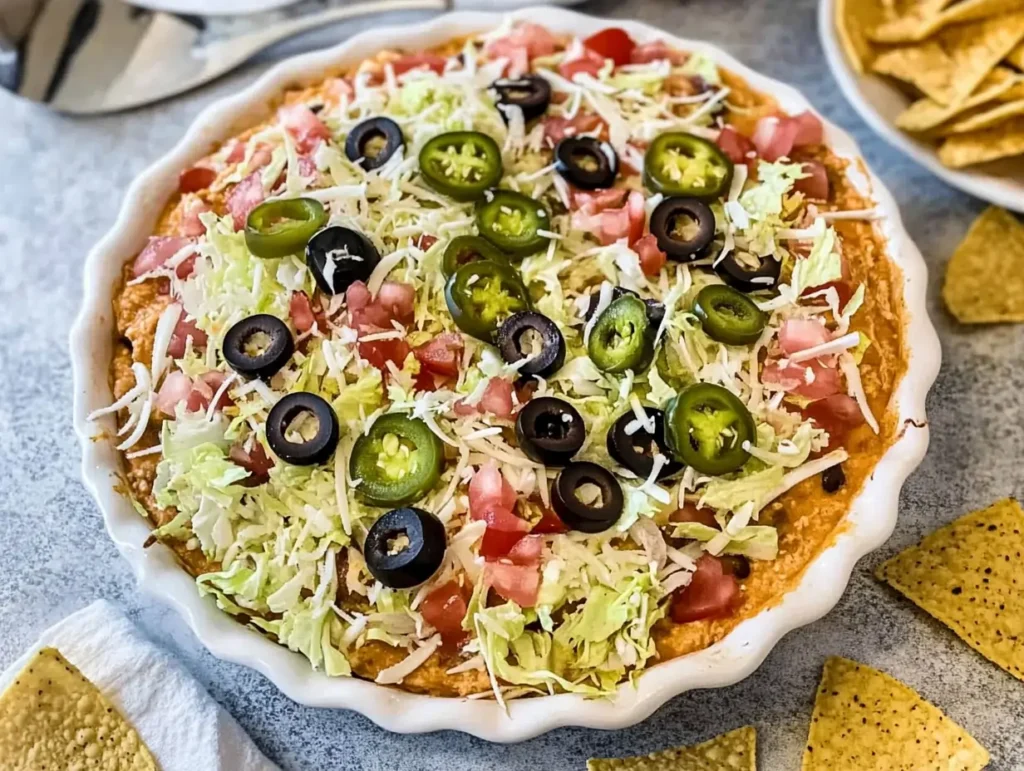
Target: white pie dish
{"x": 870, "y": 522}
{"x": 879, "y": 102}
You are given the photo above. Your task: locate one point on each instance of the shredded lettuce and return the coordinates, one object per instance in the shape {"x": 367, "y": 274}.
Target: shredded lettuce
{"x": 822, "y": 266}
{"x": 730, "y": 494}
{"x": 759, "y": 542}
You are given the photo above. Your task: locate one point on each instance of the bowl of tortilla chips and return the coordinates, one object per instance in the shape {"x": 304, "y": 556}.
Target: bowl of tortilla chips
{"x": 941, "y": 80}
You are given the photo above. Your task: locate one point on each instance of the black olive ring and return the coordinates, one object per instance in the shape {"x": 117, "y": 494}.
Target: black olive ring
{"x": 352, "y": 255}
{"x": 510, "y": 343}
{"x": 635, "y": 451}
{"x": 663, "y": 224}
{"x": 577, "y": 515}
{"x": 586, "y": 162}
{"x": 265, "y": 364}
{"x": 304, "y": 453}
{"x": 747, "y": 279}
{"x": 550, "y": 431}
{"x": 405, "y": 547}
{"x": 531, "y": 94}
{"x": 375, "y": 128}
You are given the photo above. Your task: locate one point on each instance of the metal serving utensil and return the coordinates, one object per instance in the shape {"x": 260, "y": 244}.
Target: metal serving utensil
{"x": 97, "y": 56}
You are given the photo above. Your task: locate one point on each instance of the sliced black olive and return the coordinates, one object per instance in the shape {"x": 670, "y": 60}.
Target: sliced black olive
{"x": 736, "y": 565}
{"x": 405, "y": 547}
{"x": 684, "y": 227}
{"x": 258, "y": 346}
{"x": 587, "y": 497}
{"x": 302, "y": 429}
{"x": 529, "y": 333}
{"x": 338, "y": 257}
{"x": 738, "y": 274}
{"x": 531, "y": 94}
{"x": 832, "y": 479}
{"x": 655, "y": 309}
{"x": 636, "y": 452}
{"x": 586, "y": 162}
{"x": 372, "y": 143}
{"x": 550, "y": 431}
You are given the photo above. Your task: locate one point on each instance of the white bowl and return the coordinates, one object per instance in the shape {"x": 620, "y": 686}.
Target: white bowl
{"x": 879, "y": 102}
{"x": 871, "y": 520}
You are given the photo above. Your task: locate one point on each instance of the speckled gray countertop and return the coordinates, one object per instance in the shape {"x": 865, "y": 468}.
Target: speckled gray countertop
{"x": 61, "y": 182}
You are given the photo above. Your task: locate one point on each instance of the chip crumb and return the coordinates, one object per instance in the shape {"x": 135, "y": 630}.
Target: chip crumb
{"x": 994, "y": 246}
{"x": 865, "y": 719}
{"x": 965, "y": 575}
{"x": 52, "y": 717}
{"x": 733, "y": 751}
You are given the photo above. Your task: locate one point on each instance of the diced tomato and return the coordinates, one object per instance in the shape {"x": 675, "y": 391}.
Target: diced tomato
{"x": 556, "y": 129}
{"x": 518, "y": 56}
{"x": 549, "y": 524}
{"x": 214, "y": 379}
{"x": 837, "y": 414}
{"x": 261, "y": 157}
{"x": 711, "y": 593}
{"x": 497, "y": 543}
{"x": 809, "y": 129}
{"x": 175, "y": 389}
{"x": 801, "y": 334}
{"x": 442, "y": 354}
{"x": 774, "y": 137}
{"x": 611, "y": 225}
{"x": 159, "y": 249}
{"x": 588, "y": 61}
{"x": 195, "y": 179}
{"x": 186, "y": 267}
{"x": 302, "y": 123}
{"x": 737, "y": 146}
{"x": 237, "y": 152}
{"x": 656, "y": 51}
{"x": 517, "y": 583}
{"x": 487, "y": 488}
{"x": 612, "y": 43}
{"x": 301, "y": 311}
{"x": 527, "y": 550}
{"x": 444, "y": 608}
{"x": 398, "y": 299}
{"x": 534, "y": 38}
{"x": 425, "y": 241}
{"x": 822, "y": 381}
{"x": 357, "y": 296}
{"x": 419, "y": 61}
{"x": 815, "y": 184}
{"x": 246, "y": 196}
{"x": 594, "y": 201}
{"x": 690, "y": 513}
{"x": 255, "y": 461}
{"x": 424, "y": 381}
{"x": 191, "y": 208}
{"x": 843, "y": 285}
{"x": 183, "y": 330}
{"x": 380, "y": 352}
{"x": 652, "y": 259}
{"x": 497, "y": 398}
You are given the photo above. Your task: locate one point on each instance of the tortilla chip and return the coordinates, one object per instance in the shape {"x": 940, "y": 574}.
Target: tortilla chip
{"x": 991, "y": 116}
{"x": 926, "y": 114}
{"x": 734, "y": 751}
{"x": 994, "y": 246}
{"x": 929, "y": 17}
{"x": 864, "y": 719}
{"x": 965, "y": 575}
{"x": 1001, "y": 141}
{"x": 949, "y": 67}
{"x": 1016, "y": 57}
{"x": 53, "y": 717}
{"x": 853, "y": 20}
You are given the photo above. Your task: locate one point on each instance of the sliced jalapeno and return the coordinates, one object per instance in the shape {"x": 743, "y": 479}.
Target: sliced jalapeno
{"x": 622, "y": 337}
{"x": 461, "y": 164}
{"x": 728, "y": 316}
{"x": 481, "y": 295}
{"x": 465, "y": 249}
{"x": 511, "y": 222}
{"x": 397, "y": 462}
{"x": 280, "y": 228}
{"x": 677, "y": 163}
{"x": 706, "y": 426}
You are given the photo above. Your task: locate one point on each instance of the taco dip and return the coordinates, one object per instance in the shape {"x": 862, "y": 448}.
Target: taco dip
{"x": 513, "y": 366}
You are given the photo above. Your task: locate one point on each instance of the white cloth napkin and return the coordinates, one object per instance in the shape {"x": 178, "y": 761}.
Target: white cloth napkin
{"x": 183, "y": 727}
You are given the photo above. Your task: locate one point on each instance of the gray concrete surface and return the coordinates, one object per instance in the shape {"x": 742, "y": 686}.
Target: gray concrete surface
{"x": 61, "y": 182}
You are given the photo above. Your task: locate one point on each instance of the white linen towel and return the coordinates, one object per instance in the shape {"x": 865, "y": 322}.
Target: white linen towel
{"x": 182, "y": 725}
